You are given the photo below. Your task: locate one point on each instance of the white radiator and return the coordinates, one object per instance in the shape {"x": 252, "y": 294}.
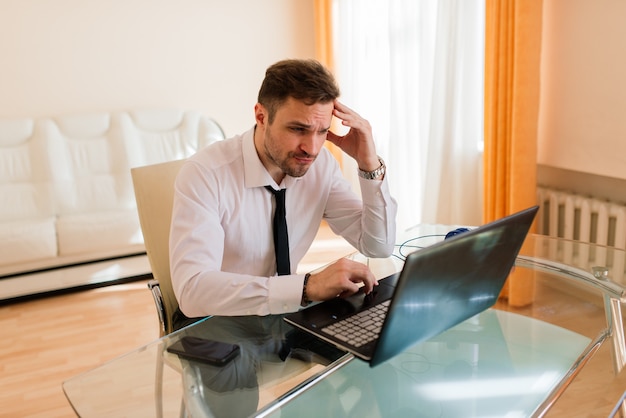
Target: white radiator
{"x": 585, "y": 219}
{"x": 581, "y": 218}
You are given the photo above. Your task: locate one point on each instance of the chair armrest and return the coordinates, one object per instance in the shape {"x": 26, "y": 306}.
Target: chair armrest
{"x": 155, "y": 289}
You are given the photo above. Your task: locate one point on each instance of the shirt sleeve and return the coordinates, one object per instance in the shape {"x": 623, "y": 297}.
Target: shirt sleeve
{"x": 368, "y": 223}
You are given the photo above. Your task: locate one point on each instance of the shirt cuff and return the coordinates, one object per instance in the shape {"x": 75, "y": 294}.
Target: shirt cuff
{"x": 285, "y": 293}
{"x": 374, "y": 192}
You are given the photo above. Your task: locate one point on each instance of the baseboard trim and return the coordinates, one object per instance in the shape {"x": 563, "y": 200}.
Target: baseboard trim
{"x": 68, "y": 290}
{"x": 77, "y": 277}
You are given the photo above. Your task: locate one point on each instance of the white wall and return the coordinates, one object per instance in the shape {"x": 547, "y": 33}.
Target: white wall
{"x": 68, "y": 56}
{"x": 582, "y": 124}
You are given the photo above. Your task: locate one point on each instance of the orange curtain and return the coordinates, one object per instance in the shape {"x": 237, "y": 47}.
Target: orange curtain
{"x": 512, "y": 69}
{"x": 324, "y": 33}
{"x": 324, "y": 48}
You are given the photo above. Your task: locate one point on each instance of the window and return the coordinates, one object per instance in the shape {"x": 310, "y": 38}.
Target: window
{"x": 414, "y": 69}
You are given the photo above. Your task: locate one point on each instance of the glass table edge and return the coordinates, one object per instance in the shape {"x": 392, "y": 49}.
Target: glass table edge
{"x": 304, "y": 386}
{"x": 154, "y": 343}
{"x": 609, "y": 288}
{"x": 577, "y": 366}
{"x": 264, "y": 411}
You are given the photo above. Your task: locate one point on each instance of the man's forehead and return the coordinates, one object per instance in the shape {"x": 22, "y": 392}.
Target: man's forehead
{"x": 300, "y": 111}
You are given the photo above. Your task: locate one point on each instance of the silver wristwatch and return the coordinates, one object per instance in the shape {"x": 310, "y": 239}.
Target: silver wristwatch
{"x": 371, "y": 175}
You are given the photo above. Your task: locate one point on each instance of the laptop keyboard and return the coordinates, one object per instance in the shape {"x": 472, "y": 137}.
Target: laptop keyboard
{"x": 361, "y": 328}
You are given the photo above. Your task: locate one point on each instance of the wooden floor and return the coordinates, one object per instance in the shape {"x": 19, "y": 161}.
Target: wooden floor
{"x": 50, "y": 340}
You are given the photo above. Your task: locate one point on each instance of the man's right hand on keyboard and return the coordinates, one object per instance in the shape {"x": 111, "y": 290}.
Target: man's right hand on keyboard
{"x": 341, "y": 279}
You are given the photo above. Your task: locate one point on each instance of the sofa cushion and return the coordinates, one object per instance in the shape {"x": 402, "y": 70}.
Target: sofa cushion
{"x": 158, "y": 135}
{"x": 89, "y": 165}
{"x": 24, "y": 172}
{"x": 98, "y": 231}
{"x": 22, "y": 241}
{"x": 23, "y": 200}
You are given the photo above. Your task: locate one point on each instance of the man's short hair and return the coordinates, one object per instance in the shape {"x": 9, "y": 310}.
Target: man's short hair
{"x": 304, "y": 80}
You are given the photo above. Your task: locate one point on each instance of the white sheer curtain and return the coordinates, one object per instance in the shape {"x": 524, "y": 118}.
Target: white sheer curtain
{"x": 414, "y": 69}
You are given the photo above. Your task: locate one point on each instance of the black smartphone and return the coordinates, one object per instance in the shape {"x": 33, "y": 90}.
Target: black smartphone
{"x": 216, "y": 353}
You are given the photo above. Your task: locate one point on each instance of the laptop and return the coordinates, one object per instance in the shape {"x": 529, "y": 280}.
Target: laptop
{"x": 439, "y": 287}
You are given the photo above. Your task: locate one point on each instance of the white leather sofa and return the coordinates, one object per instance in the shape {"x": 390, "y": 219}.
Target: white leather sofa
{"x": 67, "y": 208}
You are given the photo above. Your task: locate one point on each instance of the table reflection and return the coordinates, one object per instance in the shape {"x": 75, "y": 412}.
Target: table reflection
{"x": 268, "y": 347}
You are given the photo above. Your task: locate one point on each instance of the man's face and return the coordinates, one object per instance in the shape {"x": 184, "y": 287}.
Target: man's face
{"x": 294, "y": 139}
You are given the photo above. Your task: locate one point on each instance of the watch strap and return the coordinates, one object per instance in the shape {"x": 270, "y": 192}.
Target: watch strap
{"x": 371, "y": 175}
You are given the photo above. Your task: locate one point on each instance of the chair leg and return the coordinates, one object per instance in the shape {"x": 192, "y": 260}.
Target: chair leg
{"x": 183, "y": 411}
{"x": 158, "y": 384}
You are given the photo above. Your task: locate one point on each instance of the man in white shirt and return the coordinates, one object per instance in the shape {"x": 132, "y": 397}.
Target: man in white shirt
{"x": 221, "y": 242}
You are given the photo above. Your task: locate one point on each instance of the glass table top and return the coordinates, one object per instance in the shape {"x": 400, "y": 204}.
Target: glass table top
{"x": 504, "y": 361}
{"x": 494, "y": 364}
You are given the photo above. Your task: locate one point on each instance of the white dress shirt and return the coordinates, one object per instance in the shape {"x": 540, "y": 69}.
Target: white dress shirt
{"x": 221, "y": 241}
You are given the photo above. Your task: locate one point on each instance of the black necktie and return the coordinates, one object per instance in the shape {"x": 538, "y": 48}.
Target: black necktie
{"x": 281, "y": 239}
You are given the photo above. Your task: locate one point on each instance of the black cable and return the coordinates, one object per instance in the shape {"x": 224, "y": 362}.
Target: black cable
{"x": 406, "y": 244}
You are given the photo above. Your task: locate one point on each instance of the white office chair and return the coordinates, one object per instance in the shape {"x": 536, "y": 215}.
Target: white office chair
{"x": 154, "y": 193}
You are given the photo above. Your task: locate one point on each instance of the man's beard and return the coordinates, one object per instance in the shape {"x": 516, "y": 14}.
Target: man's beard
{"x": 294, "y": 170}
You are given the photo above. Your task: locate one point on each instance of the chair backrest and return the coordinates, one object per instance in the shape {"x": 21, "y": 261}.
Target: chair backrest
{"x": 154, "y": 192}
